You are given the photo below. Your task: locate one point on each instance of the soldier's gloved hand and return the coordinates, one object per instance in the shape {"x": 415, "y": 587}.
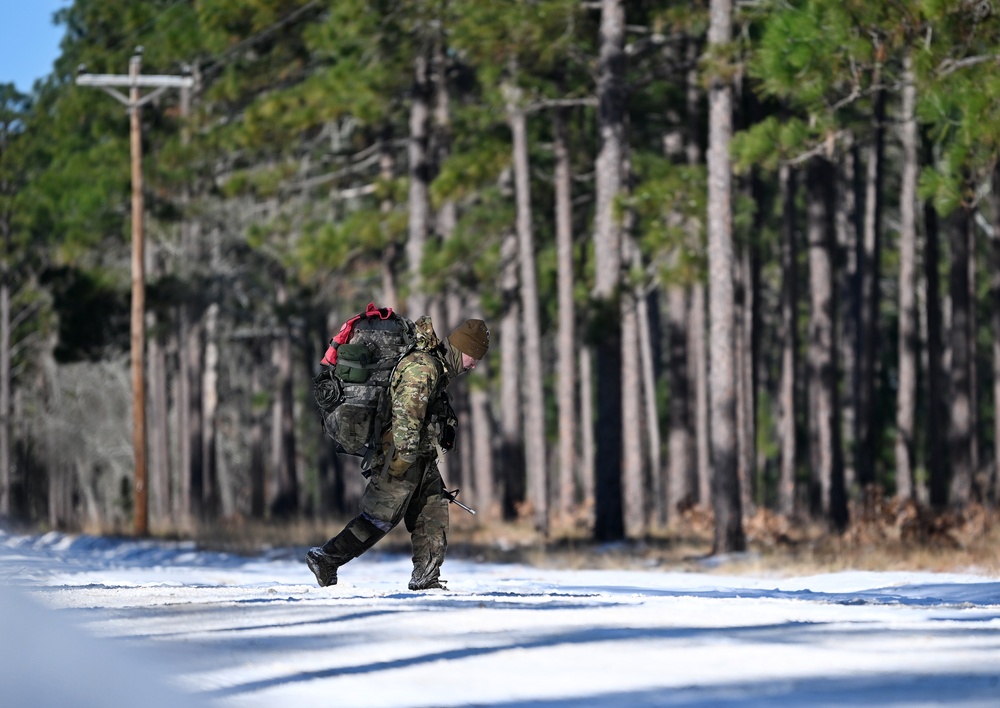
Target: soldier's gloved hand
{"x": 399, "y": 464}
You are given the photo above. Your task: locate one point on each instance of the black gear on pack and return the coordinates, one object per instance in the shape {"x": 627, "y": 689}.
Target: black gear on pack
{"x": 352, "y": 390}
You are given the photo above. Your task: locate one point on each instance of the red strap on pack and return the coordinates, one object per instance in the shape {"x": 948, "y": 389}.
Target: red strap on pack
{"x": 330, "y": 358}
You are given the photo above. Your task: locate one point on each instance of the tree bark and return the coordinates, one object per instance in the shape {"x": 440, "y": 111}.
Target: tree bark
{"x": 995, "y": 298}
{"x": 609, "y": 522}
{"x": 823, "y": 345}
{"x": 511, "y": 450}
{"x": 5, "y": 375}
{"x": 869, "y": 263}
{"x": 789, "y": 346}
{"x": 937, "y": 416}
{"x": 419, "y": 200}
{"x": 848, "y": 229}
{"x": 960, "y": 408}
{"x": 285, "y": 500}
{"x": 531, "y": 355}
{"x": 682, "y": 478}
{"x": 906, "y": 397}
{"x": 566, "y": 334}
{"x": 721, "y": 263}
{"x": 654, "y": 483}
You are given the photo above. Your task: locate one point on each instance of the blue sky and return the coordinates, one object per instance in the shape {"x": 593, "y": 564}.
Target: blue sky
{"x": 29, "y": 42}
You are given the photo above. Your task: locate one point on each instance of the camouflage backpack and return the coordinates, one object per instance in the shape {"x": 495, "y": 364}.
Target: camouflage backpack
{"x": 352, "y": 390}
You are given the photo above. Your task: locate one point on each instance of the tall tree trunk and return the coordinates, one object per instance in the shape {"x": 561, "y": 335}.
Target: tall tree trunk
{"x": 722, "y": 364}
{"x": 869, "y": 260}
{"x": 648, "y": 361}
{"x": 159, "y": 408}
{"x": 682, "y": 478}
{"x": 511, "y": 451}
{"x": 698, "y": 356}
{"x": 566, "y": 335}
{"x": 848, "y": 229}
{"x": 284, "y": 502}
{"x": 587, "y": 480}
{"x": 420, "y": 177}
{"x": 995, "y": 299}
{"x": 906, "y": 397}
{"x": 218, "y": 499}
{"x": 789, "y": 345}
{"x": 960, "y": 413}
{"x": 482, "y": 455}
{"x": 5, "y": 374}
{"x": 609, "y": 522}
{"x": 746, "y": 385}
{"x": 973, "y": 360}
{"x": 937, "y": 417}
{"x": 531, "y": 354}
{"x": 633, "y": 484}
{"x": 258, "y": 479}
{"x": 387, "y": 167}
{"x": 823, "y": 344}
{"x": 193, "y": 439}
{"x": 696, "y": 344}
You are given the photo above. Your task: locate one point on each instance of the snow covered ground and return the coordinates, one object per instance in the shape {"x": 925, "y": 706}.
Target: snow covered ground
{"x": 105, "y": 622}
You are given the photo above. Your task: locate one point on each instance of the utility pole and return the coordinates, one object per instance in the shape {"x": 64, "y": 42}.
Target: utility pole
{"x": 134, "y": 81}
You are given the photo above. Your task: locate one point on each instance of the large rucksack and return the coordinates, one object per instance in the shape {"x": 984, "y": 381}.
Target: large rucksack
{"x": 352, "y": 390}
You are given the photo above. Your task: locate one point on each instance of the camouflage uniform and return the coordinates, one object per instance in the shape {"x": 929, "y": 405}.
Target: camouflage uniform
{"x": 408, "y": 487}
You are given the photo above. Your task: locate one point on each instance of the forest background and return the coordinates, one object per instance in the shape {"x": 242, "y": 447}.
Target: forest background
{"x": 741, "y": 262}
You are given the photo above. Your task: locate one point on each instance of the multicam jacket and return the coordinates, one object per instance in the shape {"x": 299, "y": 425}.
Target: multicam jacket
{"x": 418, "y": 399}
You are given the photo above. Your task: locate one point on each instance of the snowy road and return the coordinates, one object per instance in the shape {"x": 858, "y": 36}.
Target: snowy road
{"x": 230, "y": 631}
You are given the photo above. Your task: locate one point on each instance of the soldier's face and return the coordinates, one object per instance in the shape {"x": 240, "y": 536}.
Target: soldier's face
{"x": 468, "y": 363}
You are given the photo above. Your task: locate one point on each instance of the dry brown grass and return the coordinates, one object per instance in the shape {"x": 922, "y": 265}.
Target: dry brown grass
{"x": 884, "y": 535}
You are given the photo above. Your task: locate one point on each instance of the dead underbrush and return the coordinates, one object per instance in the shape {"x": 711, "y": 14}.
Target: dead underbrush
{"x": 884, "y": 534}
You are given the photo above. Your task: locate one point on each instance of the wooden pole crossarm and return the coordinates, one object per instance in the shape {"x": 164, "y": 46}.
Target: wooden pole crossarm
{"x": 142, "y": 81}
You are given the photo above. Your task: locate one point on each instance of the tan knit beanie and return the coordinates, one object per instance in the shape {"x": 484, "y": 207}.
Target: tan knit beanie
{"x": 472, "y": 338}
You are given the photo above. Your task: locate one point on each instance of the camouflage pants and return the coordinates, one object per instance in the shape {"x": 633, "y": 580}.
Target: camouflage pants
{"x": 417, "y": 499}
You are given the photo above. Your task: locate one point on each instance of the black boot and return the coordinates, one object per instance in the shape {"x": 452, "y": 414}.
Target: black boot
{"x": 356, "y": 538}
{"x": 322, "y": 566}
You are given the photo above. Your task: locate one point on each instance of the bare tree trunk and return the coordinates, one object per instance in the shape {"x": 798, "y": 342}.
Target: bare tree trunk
{"x": 698, "y": 356}
{"x": 511, "y": 452}
{"x": 219, "y": 499}
{"x": 682, "y": 478}
{"x": 867, "y": 411}
{"x": 823, "y": 344}
{"x": 387, "y": 166}
{"x": 995, "y": 298}
{"x": 258, "y": 484}
{"x": 284, "y": 503}
{"x": 789, "y": 345}
{"x": 960, "y": 413}
{"x": 937, "y": 417}
{"x": 906, "y": 397}
{"x": 847, "y": 238}
{"x": 609, "y": 522}
{"x": 420, "y": 178}
{"x": 531, "y": 354}
{"x": 633, "y": 487}
{"x": 195, "y": 450}
{"x": 973, "y": 361}
{"x": 722, "y": 389}
{"x": 656, "y": 483}
{"x": 587, "y": 479}
{"x": 566, "y": 336}
{"x": 159, "y": 410}
{"x": 5, "y": 373}
{"x": 482, "y": 456}
{"x": 744, "y": 352}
